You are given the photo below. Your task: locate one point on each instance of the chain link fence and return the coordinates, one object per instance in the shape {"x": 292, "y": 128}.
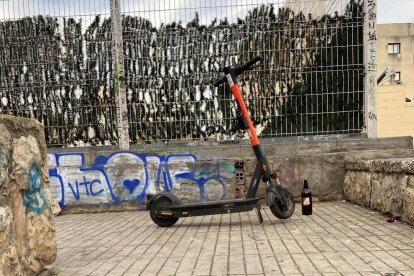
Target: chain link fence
{"x": 56, "y": 66}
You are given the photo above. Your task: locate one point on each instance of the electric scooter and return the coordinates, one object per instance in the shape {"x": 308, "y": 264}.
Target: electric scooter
{"x": 165, "y": 208}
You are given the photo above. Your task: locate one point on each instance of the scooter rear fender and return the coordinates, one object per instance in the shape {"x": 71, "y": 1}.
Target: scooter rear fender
{"x": 174, "y": 199}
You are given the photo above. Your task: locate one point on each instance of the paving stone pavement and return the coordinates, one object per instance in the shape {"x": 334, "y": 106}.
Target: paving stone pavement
{"x": 338, "y": 239}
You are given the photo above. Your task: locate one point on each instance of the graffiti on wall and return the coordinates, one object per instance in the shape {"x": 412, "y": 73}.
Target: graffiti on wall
{"x": 34, "y": 198}
{"x": 290, "y": 175}
{"x": 371, "y": 61}
{"x": 129, "y": 176}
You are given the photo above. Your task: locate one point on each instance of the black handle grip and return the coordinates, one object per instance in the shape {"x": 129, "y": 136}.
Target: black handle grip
{"x": 237, "y": 70}
{"x": 251, "y": 62}
{"x": 219, "y": 81}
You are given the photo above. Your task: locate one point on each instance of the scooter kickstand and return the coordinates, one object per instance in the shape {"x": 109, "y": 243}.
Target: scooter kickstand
{"x": 259, "y": 214}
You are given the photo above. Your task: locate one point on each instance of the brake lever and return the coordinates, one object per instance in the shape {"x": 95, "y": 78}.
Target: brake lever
{"x": 253, "y": 67}
{"x": 219, "y": 81}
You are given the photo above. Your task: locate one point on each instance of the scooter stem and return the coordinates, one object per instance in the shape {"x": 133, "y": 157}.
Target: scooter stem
{"x": 235, "y": 90}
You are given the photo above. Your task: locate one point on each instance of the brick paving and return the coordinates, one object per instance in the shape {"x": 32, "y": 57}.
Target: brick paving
{"x": 338, "y": 239}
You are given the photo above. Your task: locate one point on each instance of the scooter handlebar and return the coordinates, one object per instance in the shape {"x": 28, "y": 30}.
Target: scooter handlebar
{"x": 250, "y": 63}
{"x": 239, "y": 69}
{"x": 219, "y": 81}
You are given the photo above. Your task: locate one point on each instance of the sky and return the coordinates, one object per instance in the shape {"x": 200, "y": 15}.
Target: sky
{"x": 395, "y": 11}
{"x": 159, "y": 11}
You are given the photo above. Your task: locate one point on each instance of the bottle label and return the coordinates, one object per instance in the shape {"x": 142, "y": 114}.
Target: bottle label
{"x": 306, "y": 201}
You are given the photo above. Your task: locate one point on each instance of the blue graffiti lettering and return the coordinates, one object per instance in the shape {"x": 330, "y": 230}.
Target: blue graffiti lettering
{"x": 98, "y": 192}
{"x": 206, "y": 174}
{"x": 85, "y": 183}
{"x": 129, "y": 176}
{"x": 34, "y": 199}
{"x": 75, "y": 194}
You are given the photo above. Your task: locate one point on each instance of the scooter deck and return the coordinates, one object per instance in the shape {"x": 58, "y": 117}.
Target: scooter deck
{"x": 214, "y": 207}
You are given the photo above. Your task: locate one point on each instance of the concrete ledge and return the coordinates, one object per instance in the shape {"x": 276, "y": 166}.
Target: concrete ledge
{"x": 386, "y": 185}
{"x": 396, "y": 165}
{"x": 284, "y": 146}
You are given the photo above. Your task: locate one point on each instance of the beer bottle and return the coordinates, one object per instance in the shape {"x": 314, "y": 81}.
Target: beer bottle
{"x": 306, "y": 199}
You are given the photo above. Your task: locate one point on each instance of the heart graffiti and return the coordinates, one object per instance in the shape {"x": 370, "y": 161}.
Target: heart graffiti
{"x": 131, "y": 185}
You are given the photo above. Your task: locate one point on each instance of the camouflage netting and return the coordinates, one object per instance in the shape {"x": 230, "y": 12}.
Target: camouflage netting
{"x": 60, "y": 73}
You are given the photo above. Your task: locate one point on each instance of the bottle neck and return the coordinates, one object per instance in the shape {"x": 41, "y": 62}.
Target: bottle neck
{"x": 305, "y": 185}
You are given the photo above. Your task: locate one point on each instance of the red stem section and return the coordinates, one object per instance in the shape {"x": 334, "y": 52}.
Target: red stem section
{"x": 235, "y": 90}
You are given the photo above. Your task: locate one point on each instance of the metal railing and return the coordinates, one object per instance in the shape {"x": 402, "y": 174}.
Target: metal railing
{"x": 57, "y": 65}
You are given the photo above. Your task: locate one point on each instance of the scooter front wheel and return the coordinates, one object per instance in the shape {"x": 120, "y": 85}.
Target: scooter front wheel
{"x": 161, "y": 204}
{"x": 278, "y": 210}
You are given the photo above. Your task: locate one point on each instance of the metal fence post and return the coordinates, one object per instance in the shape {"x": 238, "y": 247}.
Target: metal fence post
{"x": 370, "y": 65}
{"x": 119, "y": 75}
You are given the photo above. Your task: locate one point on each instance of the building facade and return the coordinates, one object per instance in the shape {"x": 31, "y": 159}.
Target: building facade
{"x": 395, "y": 99}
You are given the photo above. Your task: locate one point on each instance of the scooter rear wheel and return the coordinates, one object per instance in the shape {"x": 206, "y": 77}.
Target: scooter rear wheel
{"x": 276, "y": 208}
{"x": 159, "y": 204}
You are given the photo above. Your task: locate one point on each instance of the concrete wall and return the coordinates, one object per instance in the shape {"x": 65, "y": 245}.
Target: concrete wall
{"x": 384, "y": 185}
{"x": 27, "y": 233}
{"x": 86, "y": 178}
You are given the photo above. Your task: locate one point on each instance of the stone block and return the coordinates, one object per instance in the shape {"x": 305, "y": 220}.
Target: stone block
{"x": 27, "y": 233}
{"x": 391, "y": 165}
{"x": 357, "y": 187}
{"x": 41, "y": 236}
{"x": 55, "y": 208}
{"x": 6, "y": 219}
{"x": 386, "y": 185}
{"x": 408, "y": 201}
{"x": 387, "y": 191}
{"x": 10, "y": 263}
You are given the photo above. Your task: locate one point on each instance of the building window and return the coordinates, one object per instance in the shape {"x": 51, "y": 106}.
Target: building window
{"x": 394, "y": 48}
{"x": 397, "y": 76}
